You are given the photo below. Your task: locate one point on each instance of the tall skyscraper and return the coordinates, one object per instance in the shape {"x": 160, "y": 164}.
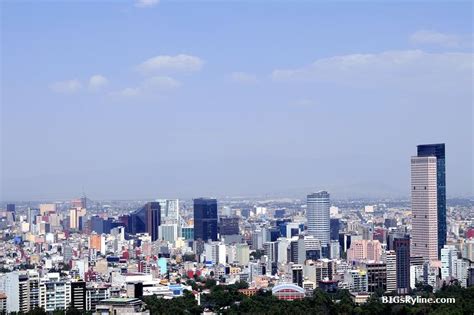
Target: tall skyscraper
{"x": 424, "y": 207}
{"x": 153, "y": 217}
{"x": 146, "y": 219}
{"x": 402, "y": 253}
{"x": 169, "y": 211}
{"x": 205, "y": 219}
{"x": 438, "y": 150}
{"x": 317, "y": 212}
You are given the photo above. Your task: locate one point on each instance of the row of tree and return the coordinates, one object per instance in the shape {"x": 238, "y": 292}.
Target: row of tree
{"x": 228, "y": 300}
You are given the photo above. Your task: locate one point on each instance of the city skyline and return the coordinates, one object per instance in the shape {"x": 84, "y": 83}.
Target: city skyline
{"x": 256, "y": 99}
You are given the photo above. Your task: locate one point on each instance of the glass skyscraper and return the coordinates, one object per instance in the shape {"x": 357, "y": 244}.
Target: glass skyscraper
{"x": 146, "y": 219}
{"x": 402, "y": 252}
{"x": 438, "y": 150}
{"x": 205, "y": 219}
{"x": 317, "y": 212}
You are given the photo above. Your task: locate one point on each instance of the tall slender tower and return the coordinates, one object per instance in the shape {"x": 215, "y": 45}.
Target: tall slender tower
{"x": 438, "y": 150}
{"x": 317, "y": 213}
{"x": 424, "y": 207}
{"x": 205, "y": 219}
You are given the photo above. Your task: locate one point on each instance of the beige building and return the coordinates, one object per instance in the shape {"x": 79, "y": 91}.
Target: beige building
{"x": 46, "y": 208}
{"x": 365, "y": 250}
{"x": 424, "y": 206}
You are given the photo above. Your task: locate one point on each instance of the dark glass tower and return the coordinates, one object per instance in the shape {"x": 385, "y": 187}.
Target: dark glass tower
{"x": 438, "y": 150}
{"x": 146, "y": 219}
{"x": 205, "y": 219}
{"x": 334, "y": 229}
{"x": 402, "y": 252}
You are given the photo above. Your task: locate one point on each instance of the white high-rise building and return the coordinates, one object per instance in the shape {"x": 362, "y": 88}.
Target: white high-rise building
{"x": 215, "y": 252}
{"x": 449, "y": 255}
{"x": 21, "y": 288}
{"x": 243, "y": 254}
{"x": 424, "y": 207}
{"x": 283, "y": 244}
{"x": 391, "y": 262}
{"x": 169, "y": 211}
{"x": 317, "y": 213}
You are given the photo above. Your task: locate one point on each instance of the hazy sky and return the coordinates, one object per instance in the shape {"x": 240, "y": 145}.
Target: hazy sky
{"x": 182, "y": 99}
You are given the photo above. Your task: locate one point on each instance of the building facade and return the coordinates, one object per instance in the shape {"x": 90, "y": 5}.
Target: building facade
{"x": 438, "y": 151}
{"x": 317, "y": 213}
{"x": 424, "y": 207}
{"x": 205, "y": 219}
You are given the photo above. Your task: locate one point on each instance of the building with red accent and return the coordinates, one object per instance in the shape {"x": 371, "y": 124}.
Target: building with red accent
{"x": 288, "y": 292}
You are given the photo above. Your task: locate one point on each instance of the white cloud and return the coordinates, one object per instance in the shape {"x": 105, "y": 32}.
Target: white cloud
{"x": 150, "y": 87}
{"x": 178, "y": 63}
{"x": 68, "y": 86}
{"x": 146, "y": 3}
{"x": 128, "y": 92}
{"x": 244, "y": 77}
{"x": 97, "y": 81}
{"x": 161, "y": 83}
{"x": 435, "y": 38}
{"x": 390, "y": 66}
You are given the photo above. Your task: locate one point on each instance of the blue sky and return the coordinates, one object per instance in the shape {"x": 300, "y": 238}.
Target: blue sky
{"x": 183, "y": 99}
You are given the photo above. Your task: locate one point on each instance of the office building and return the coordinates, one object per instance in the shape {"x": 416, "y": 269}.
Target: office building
{"x": 424, "y": 207}
{"x": 22, "y": 290}
{"x": 365, "y": 250}
{"x": 376, "y": 277}
{"x": 438, "y": 151}
{"x": 229, "y": 226}
{"x": 317, "y": 213}
{"x": 146, "y": 220}
{"x": 169, "y": 211}
{"x": 94, "y": 294}
{"x": 391, "y": 264}
{"x": 297, "y": 274}
{"x": 356, "y": 280}
{"x": 168, "y": 232}
{"x": 334, "y": 227}
{"x": 243, "y": 254}
{"x": 205, "y": 219}
{"x": 402, "y": 253}
{"x": 78, "y": 295}
{"x": 215, "y": 253}
{"x": 187, "y": 232}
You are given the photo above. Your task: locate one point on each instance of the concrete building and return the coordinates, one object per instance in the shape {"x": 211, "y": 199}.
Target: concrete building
{"x": 243, "y": 254}
{"x": 391, "y": 265}
{"x": 424, "y": 206}
{"x": 365, "y": 250}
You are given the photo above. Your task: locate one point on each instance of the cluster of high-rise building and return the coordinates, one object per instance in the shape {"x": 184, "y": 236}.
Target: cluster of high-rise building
{"x": 102, "y": 258}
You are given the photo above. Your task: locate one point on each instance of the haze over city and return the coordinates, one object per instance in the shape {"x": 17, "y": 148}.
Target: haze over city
{"x": 183, "y": 99}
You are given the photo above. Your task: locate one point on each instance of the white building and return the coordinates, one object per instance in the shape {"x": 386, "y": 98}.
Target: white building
{"x": 356, "y": 280}
{"x": 215, "y": 252}
{"x": 391, "y": 262}
{"x": 424, "y": 206}
{"x": 169, "y": 209}
{"x": 22, "y": 290}
{"x": 243, "y": 254}
{"x": 283, "y": 244}
{"x": 168, "y": 232}
{"x": 54, "y": 293}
